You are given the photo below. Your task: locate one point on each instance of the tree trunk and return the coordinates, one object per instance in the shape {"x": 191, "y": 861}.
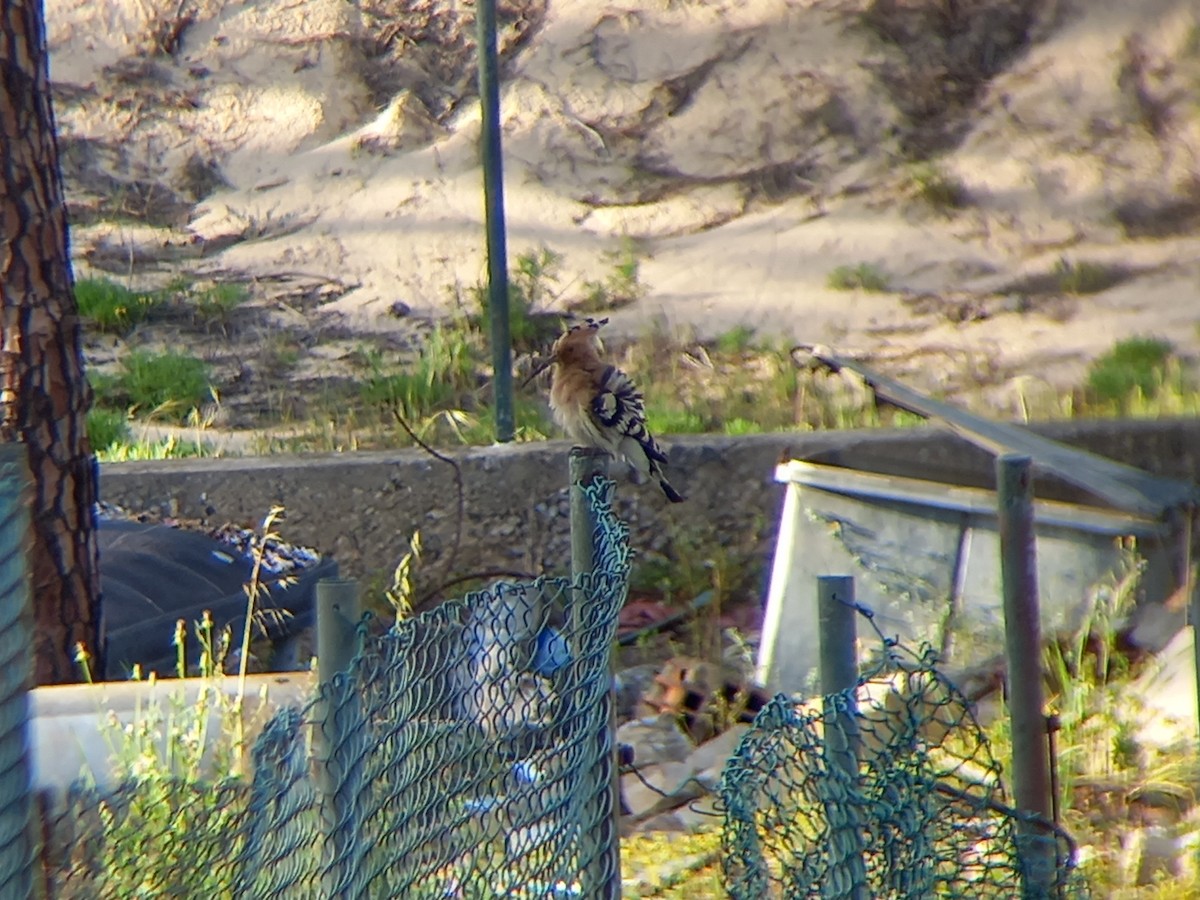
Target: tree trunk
{"x": 44, "y": 395}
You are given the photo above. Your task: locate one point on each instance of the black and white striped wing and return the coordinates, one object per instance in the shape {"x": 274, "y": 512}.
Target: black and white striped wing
{"x": 621, "y": 411}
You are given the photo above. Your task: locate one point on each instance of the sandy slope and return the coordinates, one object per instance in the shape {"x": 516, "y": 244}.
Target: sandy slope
{"x": 750, "y": 146}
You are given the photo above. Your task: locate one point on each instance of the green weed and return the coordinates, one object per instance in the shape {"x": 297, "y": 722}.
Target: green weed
{"x": 215, "y": 304}
{"x": 1084, "y": 277}
{"x": 106, "y": 427}
{"x": 280, "y": 352}
{"x": 732, "y": 389}
{"x": 111, "y": 307}
{"x": 1137, "y": 366}
{"x": 169, "y": 447}
{"x": 673, "y": 866}
{"x": 531, "y": 283}
{"x": 168, "y": 757}
{"x": 940, "y": 191}
{"x": 168, "y": 385}
{"x": 738, "y": 339}
{"x": 435, "y": 391}
{"x": 863, "y": 277}
{"x": 620, "y": 287}
{"x": 1085, "y": 673}
{"x": 668, "y": 418}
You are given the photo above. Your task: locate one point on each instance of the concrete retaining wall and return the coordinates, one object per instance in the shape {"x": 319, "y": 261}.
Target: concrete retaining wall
{"x": 363, "y": 507}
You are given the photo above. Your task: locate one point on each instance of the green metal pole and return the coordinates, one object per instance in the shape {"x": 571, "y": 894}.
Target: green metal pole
{"x": 339, "y": 716}
{"x": 839, "y": 681}
{"x": 493, "y": 199}
{"x": 16, "y": 675}
{"x": 1023, "y": 647}
{"x": 602, "y": 875}
{"x": 338, "y": 612}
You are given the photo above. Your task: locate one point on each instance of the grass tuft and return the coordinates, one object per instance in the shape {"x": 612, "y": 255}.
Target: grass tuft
{"x": 1137, "y": 367}
{"x": 111, "y": 307}
{"x": 167, "y": 385}
{"x": 738, "y": 339}
{"x": 621, "y": 286}
{"x": 939, "y": 190}
{"x": 862, "y": 277}
{"x": 532, "y": 282}
{"x": 106, "y": 428}
{"x": 1084, "y": 277}
{"x": 216, "y": 303}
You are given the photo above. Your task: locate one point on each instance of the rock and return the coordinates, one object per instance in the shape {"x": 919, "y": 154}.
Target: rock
{"x": 1151, "y": 855}
{"x": 630, "y": 684}
{"x": 658, "y": 788}
{"x": 699, "y": 815}
{"x": 668, "y": 822}
{"x": 404, "y": 124}
{"x": 678, "y": 795}
{"x": 708, "y": 760}
{"x": 1163, "y": 698}
{"x": 705, "y": 697}
{"x": 655, "y": 739}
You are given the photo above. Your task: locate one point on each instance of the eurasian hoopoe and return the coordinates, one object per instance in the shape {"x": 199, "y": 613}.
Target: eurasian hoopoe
{"x": 598, "y": 406}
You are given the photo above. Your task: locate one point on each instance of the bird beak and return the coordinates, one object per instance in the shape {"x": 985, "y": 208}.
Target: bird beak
{"x": 540, "y": 365}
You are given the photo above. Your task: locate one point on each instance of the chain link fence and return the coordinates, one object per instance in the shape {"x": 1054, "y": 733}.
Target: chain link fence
{"x": 885, "y": 790}
{"x": 464, "y": 754}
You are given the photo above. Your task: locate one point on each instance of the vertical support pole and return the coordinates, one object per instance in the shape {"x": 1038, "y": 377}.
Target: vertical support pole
{"x": 602, "y": 875}
{"x": 1185, "y": 522}
{"x": 16, "y": 674}
{"x": 1023, "y": 649}
{"x": 493, "y": 199}
{"x": 338, "y": 716}
{"x": 338, "y": 613}
{"x": 839, "y": 682}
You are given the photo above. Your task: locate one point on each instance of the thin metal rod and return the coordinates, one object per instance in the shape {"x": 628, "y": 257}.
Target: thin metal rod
{"x": 493, "y": 199}
{"x": 1023, "y": 648}
{"x": 839, "y": 682}
{"x": 602, "y": 876}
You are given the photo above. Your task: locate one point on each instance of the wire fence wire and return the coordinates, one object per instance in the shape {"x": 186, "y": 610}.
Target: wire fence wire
{"x": 918, "y": 812}
{"x": 460, "y": 756}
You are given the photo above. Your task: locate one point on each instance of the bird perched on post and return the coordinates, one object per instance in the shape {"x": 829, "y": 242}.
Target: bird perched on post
{"x": 598, "y": 406}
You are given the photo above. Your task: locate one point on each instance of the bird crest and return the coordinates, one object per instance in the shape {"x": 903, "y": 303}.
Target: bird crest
{"x": 589, "y": 324}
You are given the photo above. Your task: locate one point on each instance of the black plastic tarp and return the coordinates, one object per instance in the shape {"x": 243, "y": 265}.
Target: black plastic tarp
{"x": 153, "y": 575}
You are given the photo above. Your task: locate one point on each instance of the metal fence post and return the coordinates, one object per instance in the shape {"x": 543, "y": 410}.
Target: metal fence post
{"x": 338, "y": 614}
{"x": 839, "y": 682}
{"x": 1023, "y": 648}
{"x": 493, "y": 201}
{"x": 339, "y": 716}
{"x": 602, "y": 876}
{"x": 16, "y": 673}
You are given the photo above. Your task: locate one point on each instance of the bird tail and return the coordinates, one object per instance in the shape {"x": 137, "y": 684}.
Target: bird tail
{"x": 673, "y": 495}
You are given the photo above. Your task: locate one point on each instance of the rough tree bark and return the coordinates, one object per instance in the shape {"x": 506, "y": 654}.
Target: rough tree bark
{"x": 44, "y": 395}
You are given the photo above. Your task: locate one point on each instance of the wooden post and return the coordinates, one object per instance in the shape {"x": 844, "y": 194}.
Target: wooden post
{"x": 602, "y": 876}
{"x": 839, "y": 680}
{"x": 1023, "y": 648}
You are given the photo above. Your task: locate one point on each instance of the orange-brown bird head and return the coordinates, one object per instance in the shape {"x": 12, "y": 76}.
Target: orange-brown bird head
{"x": 578, "y": 345}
